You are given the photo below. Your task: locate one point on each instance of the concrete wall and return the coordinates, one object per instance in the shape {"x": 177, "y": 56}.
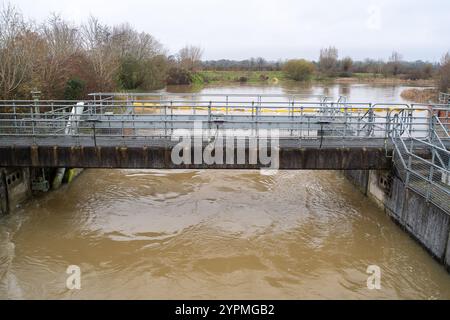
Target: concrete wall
{"x": 428, "y": 224}
{"x": 360, "y": 178}
{"x": 15, "y": 188}
{"x": 3, "y": 193}
{"x": 159, "y": 157}
{"x": 17, "y": 185}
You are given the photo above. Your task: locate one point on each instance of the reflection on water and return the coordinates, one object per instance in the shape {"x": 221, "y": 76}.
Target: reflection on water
{"x": 355, "y": 92}
{"x": 148, "y": 234}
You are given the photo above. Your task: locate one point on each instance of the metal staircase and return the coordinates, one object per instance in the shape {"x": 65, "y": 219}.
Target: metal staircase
{"x": 422, "y": 164}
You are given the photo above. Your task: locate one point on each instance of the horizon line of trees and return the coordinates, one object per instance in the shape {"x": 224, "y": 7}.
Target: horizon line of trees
{"x": 330, "y": 65}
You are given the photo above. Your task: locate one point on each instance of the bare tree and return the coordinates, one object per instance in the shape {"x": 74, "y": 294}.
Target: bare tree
{"x": 444, "y": 73}
{"x": 98, "y": 43}
{"x": 261, "y": 63}
{"x": 190, "y": 57}
{"x": 127, "y": 42}
{"x": 347, "y": 64}
{"x": 60, "y": 42}
{"x": 328, "y": 60}
{"x": 395, "y": 63}
{"x": 17, "y": 42}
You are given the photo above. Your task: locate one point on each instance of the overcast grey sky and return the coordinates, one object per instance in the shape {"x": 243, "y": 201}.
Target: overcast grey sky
{"x": 274, "y": 29}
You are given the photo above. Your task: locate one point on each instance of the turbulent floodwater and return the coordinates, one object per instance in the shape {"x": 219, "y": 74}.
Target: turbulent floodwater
{"x": 143, "y": 234}
{"x": 212, "y": 234}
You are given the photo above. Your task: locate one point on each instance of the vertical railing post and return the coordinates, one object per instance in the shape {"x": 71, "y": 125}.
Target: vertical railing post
{"x": 77, "y": 132}
{"x": 253, "y": 117}
{"x": 388, "y": 122}
{"x": 408, "y": 170}
{"x": 133, "y": 113}
{"x": 95, "y": 133}
{"x": 165, "y": 120}
{"x": 33, "y": 129}
{"x": 15, "y": 118}
{"x": 209, "y": 118}
{"x": 301, "y": 124}
{"x": 171, "y": 118}
{"x": 258, "y": 111}
{"x": 309, "y": 126}
{"x": 123, "y": 131}
{"x": 345, "y": 123}
{"x": 431, "y": 174}
{"x": 292, "y": 108}
{"x": 227, "y": 98}
{"x": 359, "y": 120}
{"x": 371, "y": 126}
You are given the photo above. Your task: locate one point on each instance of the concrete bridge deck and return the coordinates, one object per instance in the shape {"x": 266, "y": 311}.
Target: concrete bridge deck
{"x": 294, "y": 154}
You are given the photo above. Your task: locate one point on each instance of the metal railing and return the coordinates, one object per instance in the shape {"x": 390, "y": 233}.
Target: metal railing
{"x": 422, "y": 164}
{"x": 342, "y": 124}
{"x": 444, "y": 98}
{"x": 417, "y": 134}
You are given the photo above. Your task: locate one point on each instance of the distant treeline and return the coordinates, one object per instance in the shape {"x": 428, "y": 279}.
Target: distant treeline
{"x": 252, "y": 64}
{"x": 345, "y": 67}
{"x": 330, "y": 65}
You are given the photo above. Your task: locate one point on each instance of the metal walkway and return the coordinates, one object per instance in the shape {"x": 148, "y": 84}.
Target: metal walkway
{"x": 416, "y": 136}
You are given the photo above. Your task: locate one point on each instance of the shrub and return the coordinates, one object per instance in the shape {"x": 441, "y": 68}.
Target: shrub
{"x": 143, "y": 74}
{"x": 197, "y": 79}
{"x": 443, "y": 82}
{"x": 74, "y": 89}
{"x": 130, "y": 75}
{"x": 179, "y": 76}
{"x": 299, "y": 70}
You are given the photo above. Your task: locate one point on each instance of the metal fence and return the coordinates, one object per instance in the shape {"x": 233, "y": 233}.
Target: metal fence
{"x": 444, "y": 98}
{"x": 340, "y": 124}
{"x": 423, "y": 164}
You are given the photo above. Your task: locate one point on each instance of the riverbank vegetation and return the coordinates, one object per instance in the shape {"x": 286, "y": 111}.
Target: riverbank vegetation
{"x": 299, "y": 70}
{"x": 66, "y": 61}
{"x": 63, "y": 61}
{"x": 431, "y": 95}
{"x": 420, "y": 95}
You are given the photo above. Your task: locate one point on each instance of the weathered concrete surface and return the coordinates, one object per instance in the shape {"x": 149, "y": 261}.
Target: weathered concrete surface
{"x": 394, "y": 204}
{"x": 428, "y": 224}
{"x": 447, "y": 255}
{"x": 18, "y": 186}
{"x": 360, "y": 178}
{"x": 3, "y": 193}
{"x": 159, "y": 157}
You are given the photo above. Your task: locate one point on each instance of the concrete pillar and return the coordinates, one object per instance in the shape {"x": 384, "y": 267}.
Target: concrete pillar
{"x": 18, "y": 186}
{"x": 447, "y": 254}
{"x": 428, "y": 224}
{"x": 359, "y": 178}
{"x": 3, "y": 193}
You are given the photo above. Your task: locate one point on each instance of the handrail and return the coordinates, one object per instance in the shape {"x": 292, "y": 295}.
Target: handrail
{"x": 444, "y": 98}
{"x": 431, "y": 189}
{"x": 441, "y": 125}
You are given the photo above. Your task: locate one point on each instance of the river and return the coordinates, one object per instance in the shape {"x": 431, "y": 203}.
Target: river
{"x": 147, "y": 234}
